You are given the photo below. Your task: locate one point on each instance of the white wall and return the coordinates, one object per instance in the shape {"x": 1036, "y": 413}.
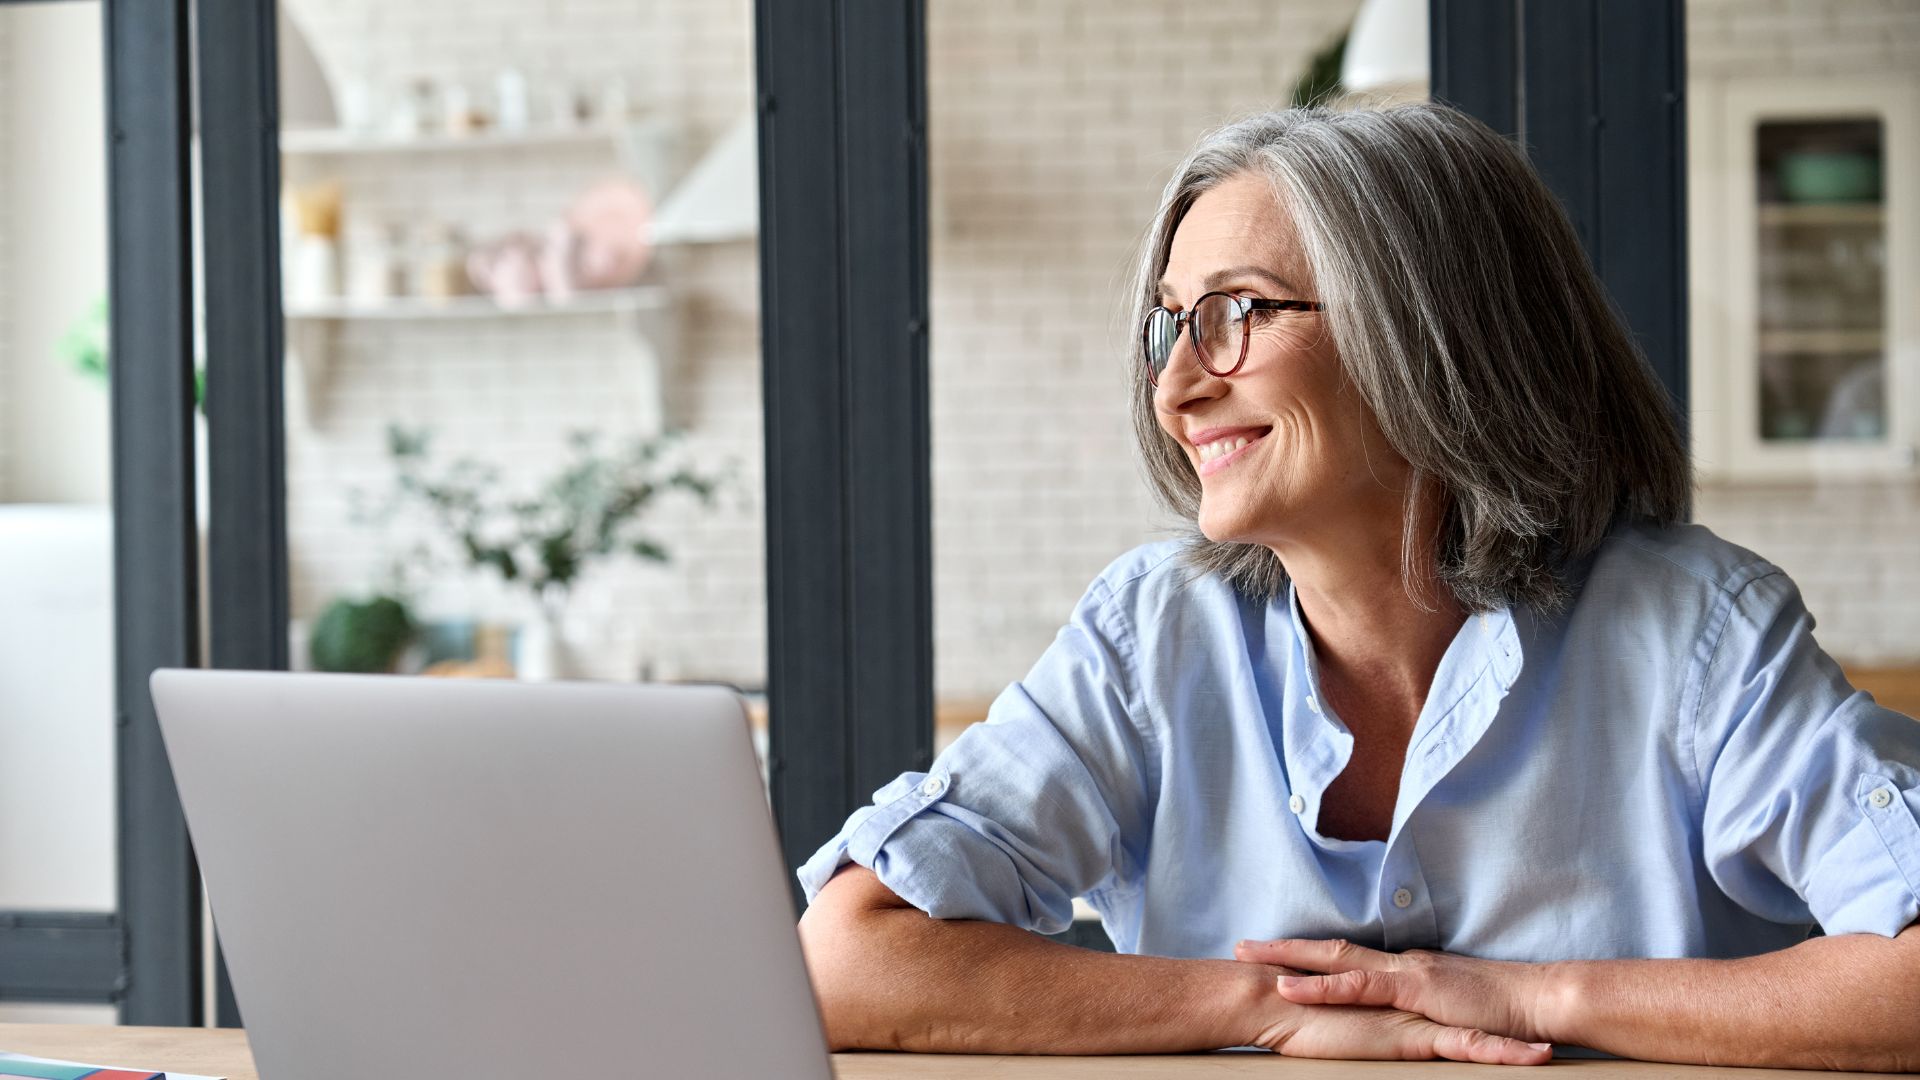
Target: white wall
{"x": 55, "y": 422}
{"x": 1053, "y": 128}
{"x": 6, "y": 253}
{"x": 56, "y": 644}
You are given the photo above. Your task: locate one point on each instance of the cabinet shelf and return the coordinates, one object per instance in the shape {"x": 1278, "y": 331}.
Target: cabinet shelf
{"x": 1821, "y": 341}
{"x": 1785, "y": 214}
{"x": 598, "y": 301}
{"x": 1803, "y": 350}
{"x": 645, "y": 311}
{"x": 326, "y": 142}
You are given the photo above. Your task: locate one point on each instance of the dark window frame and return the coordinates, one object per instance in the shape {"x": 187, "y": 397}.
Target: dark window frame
{"x": 247, "y": 587}
{"x": 156, "y": 536}
{"x": 1613, "y": 148}
{"x": 843, "y": 272}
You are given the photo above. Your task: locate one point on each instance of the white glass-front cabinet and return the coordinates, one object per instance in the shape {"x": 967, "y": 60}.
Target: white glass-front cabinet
{"x": 1805, "y": 271}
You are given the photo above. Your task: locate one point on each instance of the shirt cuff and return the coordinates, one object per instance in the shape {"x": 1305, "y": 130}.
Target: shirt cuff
{"x": 869, "y": 828}
{"x": 1869, "y": 883}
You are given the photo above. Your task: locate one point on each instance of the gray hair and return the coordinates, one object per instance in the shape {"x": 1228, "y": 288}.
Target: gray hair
{"x": 1468, "y": 318}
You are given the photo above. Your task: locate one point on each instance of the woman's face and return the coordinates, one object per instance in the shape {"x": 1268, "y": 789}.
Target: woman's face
{"x": 1314, "y": 459}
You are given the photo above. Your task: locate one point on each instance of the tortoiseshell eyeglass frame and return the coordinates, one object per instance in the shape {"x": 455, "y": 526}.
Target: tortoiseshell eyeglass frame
{"x": 1246, "y": 305}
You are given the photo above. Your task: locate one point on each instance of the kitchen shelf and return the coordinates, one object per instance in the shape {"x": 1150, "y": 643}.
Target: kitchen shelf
{"x": 592, "y": 302}
{"x": 1822, "y": 214}
{"x": 330, "y": 142}
{"x": 1821, "y": 341}
{"x": 646, "y": 310}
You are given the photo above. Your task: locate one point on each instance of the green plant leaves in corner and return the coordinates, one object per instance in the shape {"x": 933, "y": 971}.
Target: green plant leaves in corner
{"x": 86, "y": 348}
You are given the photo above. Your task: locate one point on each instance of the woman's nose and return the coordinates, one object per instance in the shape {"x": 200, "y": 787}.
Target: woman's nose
{"x": 1185, "y": 383}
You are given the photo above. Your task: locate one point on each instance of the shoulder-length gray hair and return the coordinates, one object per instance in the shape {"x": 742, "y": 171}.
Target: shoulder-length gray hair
{"x": 1469, "y": 320}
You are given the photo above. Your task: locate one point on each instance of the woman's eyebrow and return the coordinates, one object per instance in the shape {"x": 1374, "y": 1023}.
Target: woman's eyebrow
{"x": 1221, "y": 277}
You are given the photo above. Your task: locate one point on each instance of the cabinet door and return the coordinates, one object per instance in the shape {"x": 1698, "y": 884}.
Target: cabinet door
{"x": 1818, "y": 357}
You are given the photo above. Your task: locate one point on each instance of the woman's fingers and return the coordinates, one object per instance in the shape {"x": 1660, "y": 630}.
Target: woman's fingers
{"x": 1393, "y": 1035}
{"x": 1472, "y": 1044}
{"x": 1314, "y": 955}
{"x": 1354, "y": 987}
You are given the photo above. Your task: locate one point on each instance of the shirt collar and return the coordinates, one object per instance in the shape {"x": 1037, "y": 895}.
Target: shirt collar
{"x": 1478, "y": 669}
{"x": 1498, "y": 641}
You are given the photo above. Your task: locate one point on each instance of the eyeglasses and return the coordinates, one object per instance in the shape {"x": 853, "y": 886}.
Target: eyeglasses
{"x": 1221, "y": 326}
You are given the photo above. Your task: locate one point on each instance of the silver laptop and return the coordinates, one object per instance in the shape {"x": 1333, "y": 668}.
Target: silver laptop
{"x": 438, "y": 878}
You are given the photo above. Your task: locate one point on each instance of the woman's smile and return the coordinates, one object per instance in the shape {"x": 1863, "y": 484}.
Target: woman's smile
{"x": 1222, "y": 449}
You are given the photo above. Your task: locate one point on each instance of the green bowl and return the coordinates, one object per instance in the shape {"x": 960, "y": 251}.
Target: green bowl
{"x": 1812, "y": 176}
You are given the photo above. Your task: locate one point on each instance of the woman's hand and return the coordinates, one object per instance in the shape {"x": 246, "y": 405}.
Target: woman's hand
{"x": 1347, "y": 1031}
{"x": 1496, "y": 996}
{"x": 1370, "y": 1033}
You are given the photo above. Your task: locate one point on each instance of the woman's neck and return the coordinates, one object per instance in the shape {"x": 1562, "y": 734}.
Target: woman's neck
{"x": 1371, "y": 638}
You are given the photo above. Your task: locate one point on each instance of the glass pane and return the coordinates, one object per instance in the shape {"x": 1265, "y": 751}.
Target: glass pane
{"x": 56, "y": 527}
{"x": 1822, "y": 254}
{"x": 1804, "y": 398}
{"x": 520, "y": 281}
{"x": 1053, "y": 129}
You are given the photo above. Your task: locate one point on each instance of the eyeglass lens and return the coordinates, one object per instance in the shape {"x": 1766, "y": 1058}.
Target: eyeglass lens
{"x": 1218, "y": 323}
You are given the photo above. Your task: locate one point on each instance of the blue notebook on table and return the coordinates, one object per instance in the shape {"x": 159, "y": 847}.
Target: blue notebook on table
{"x": 22, "y": 1067}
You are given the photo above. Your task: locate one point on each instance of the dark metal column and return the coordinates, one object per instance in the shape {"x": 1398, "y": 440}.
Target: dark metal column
{"x": 1473, "y": 51}
{"x": 844, "y": 347}
{"x": 1604, "y": 97}
{"x": 1596, "y": 92}
{"x": 156, "y": 542}
{"x": 240, "y": 183}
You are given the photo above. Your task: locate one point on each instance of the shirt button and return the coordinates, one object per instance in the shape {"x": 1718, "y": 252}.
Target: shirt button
{"x": 1881, "y": 798}
{"x": 1296, "y": 804}
{"x": 933, "y": 786}
{"x": 1402, "y": 898}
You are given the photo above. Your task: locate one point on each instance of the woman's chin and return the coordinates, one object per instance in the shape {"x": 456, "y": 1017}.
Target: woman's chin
{"x": 1225, "y": 528}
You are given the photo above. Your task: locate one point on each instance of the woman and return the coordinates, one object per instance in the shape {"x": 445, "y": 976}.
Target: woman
{"x": 1441, "y": 702}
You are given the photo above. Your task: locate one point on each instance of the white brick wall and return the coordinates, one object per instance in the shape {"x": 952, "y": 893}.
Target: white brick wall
{"x": 1801, "y": 37}
{"x": 1053, "y": 128}
{"x": 1852, "y": 547}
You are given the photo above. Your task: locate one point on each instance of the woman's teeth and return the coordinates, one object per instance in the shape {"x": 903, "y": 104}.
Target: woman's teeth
{"x": 1209, "y": 451}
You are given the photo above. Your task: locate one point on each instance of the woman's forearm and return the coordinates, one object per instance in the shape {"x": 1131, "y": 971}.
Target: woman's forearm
{"x": 1848, "y": 1002}
{"x": 890, "y": 978}
{"x": 915, "y": 983}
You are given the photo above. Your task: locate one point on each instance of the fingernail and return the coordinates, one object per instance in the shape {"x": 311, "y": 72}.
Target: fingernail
{"x": 1541, "y": 1046}
{"x": 1291, "y": 981}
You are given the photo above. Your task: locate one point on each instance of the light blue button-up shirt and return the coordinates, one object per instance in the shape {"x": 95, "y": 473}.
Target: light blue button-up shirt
{"x": 1670, "y": 767}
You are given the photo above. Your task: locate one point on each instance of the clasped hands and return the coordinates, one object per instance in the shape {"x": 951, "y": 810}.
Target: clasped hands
{"x": 1416, "y": 1004}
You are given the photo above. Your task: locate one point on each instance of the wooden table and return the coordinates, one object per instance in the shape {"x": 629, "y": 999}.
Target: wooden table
{"x": 224, "y": 1053}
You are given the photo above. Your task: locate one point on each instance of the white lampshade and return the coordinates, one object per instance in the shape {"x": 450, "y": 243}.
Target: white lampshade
{"x": 720, "y": 199}
{"x": 1387, "y": 48}
{"x": 306, "y": 94}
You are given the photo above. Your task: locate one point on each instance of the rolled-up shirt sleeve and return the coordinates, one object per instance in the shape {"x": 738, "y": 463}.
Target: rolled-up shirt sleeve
{"x": 1044, "y": 801}
{"x": 1811, "y": 790}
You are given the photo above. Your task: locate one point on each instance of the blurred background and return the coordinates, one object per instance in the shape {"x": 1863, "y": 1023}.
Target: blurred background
{"x": 524, "y": 430}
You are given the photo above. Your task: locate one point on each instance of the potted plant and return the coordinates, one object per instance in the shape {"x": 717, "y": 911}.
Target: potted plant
{"x": 365, "y": 636}
{"x": 589, "y": 512}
